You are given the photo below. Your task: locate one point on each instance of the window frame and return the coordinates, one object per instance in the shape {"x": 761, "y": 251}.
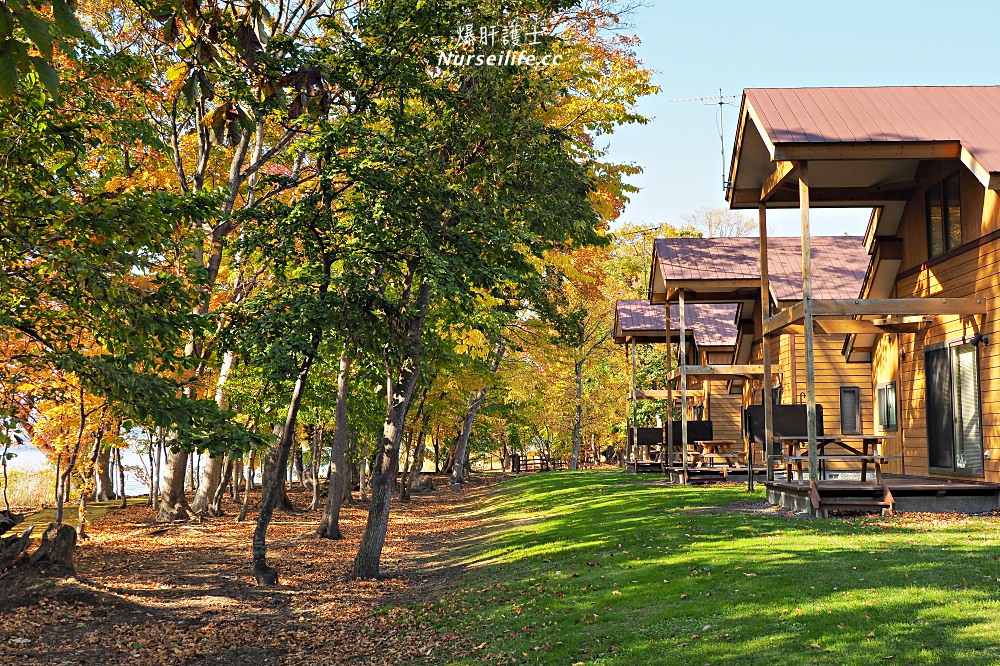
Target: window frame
{"x": 951, "y": 349}
{"x": 940, "y": 190}
{"x": 881, "y": 403}
{"x": 858, "y": 421}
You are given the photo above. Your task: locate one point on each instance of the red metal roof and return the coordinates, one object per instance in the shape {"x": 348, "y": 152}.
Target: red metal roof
{"x": 712, "y": 324}
{"x": 839, "y": 263}
{"x": 967, "y": 114}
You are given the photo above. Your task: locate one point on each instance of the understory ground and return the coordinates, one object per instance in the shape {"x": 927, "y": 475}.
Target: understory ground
{"x": 592, "y": 567}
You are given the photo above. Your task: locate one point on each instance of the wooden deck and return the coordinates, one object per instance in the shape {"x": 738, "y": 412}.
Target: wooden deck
{"x": 908, "y": 493}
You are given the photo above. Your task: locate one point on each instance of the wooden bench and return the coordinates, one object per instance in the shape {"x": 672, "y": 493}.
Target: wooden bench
{"x": 876, "y": 459}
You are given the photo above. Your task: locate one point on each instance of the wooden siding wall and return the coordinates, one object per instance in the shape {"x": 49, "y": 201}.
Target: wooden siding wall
{"x": 727, "y": 413}
{"x": 788, "y": 366}
{"x": 974, "y": 272}
{"x": 885, "y": 368}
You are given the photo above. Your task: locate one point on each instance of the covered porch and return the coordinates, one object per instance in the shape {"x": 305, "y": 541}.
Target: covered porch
{"x": 789, "y": 153}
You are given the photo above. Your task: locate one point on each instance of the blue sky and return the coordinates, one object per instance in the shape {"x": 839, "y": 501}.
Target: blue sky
{"x": 696, "y": 47}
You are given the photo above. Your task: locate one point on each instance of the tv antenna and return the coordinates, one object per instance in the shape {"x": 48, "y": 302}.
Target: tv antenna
{"x": 720, "y": 101}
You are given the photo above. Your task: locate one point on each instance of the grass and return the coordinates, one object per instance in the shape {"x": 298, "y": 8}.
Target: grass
{"x": 29, "y": 488}
{"x": 603, "y": 568}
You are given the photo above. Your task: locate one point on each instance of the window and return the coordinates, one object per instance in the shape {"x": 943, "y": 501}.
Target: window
{"x": 850, "y": 410}
{"x": 954, "y": 419}
{"x": 944, "y": 216}
{"x": 887, "y": 406}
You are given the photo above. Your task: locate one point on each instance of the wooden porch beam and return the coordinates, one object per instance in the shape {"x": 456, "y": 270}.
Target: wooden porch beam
{"x": 880, "y": 150}
{"x": 883, "y": 308}
{"x": 717, "y": 371}
{"x": 782, "y": 172}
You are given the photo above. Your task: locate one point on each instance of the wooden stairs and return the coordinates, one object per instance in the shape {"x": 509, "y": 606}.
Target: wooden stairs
{"x": 851, "y": 497}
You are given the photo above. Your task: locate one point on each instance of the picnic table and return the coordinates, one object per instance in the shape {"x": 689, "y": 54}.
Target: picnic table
{"x": 866, "y": 449}
{"x": 711, "y": 451}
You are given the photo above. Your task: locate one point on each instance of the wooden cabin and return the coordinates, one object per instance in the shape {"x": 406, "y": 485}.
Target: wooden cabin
{"x": 711, "y": 339}
{"x": 708, "y": 270}
{"x": 925, "y": 161}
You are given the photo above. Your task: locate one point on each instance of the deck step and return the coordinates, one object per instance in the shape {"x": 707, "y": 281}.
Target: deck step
{"x": 847, "y": 504}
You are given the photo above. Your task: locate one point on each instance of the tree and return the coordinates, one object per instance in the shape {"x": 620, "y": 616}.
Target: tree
{"x": 720, "y": 222}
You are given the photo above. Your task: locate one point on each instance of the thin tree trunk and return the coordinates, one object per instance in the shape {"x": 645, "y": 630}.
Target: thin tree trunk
{"x": 329, "y": 527}
{"x": 404, "y": 465}
{"x": 247, "y": 489}
{"x": 121, "y": 479}
{"x": 475, "y": 402}
{"x": 418, "y": 455}
{"x": 298, "y": 465}
{"x": 264, "y": 573}
{"x": 574, "y": 462}
{"x": 159, "y": 470}
{"x": 367, "y": 561}
{"x": 152, "y": 471}
{"x": 271, "y": 470}
{"x": 215, "y": 506}
{"x": 315, "y": 447}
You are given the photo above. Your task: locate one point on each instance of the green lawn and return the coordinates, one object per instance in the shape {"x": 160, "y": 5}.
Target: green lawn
{"x": 605, "y": 568}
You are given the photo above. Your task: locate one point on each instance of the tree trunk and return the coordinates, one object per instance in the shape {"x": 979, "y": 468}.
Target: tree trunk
{"x": 271, "y": 470}
{"x": 215, "y": 506}
{"x": 574, "y": 462}
{"x": 315, "y": 447}
{"x": 247, "y": 489}
{"x": 266, "y": 574}
{"x": 367, "y": 562}
{"x": 404, "y": 465}
{"x": 155, "y": 491}
{"x": 210, "y": 481}
{"x": 105, "y": 485}
{"x": 418, "y": 455}
{"x": 173, "y": 503}
{"x": 329, "y": 527}
{"x": 298, "y": 465}
{"x": 121, "y": 479}
{"x": 212, "y": 477}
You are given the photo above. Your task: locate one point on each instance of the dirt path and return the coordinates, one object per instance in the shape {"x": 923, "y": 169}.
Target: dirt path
{"x": 182, "y": 594}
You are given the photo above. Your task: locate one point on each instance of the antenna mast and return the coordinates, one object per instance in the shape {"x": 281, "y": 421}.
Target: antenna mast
{"x": 720, "y": 101}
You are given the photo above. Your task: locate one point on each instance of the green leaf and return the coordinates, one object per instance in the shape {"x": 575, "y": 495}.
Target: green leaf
{"x": 8, "y": 76}
{"x": 47, "y": 75}
{"x": 66, "y": 19}
{"x": 38, "y": 31}
{"x": 6, "y": 22}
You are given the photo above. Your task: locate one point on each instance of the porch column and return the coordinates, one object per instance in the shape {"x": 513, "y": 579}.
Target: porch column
{"x": 808, "y": 321}
{"x": 670, "y": 389}
{"x": 765, "y": 313}
{"x": 635, "y": 428}
{"x": 682, "y": 361}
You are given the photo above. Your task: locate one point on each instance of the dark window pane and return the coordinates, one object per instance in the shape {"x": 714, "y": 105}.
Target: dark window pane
{"x": 935, "y": 223}
{"x": 850, "y": 409}
{"x": 953, "y": 211}
{"x": 940, "y": 423}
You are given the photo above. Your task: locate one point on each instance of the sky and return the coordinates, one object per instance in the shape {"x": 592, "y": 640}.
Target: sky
{"x": 696, "y": 47}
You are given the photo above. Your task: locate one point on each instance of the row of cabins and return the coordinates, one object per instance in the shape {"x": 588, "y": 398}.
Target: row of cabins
{"x": 887, "y": 334}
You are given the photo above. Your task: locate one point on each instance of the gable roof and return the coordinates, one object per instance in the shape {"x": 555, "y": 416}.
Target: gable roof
{"x": 967, "y": 114}
{"x": 712, "y": 325}
{"x": 839, "y": 263}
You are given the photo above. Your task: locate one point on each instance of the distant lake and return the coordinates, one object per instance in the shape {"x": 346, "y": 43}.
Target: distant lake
{"x": 28, "y": 458}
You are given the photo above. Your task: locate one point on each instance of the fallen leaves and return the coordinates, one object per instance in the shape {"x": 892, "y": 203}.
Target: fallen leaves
{"x": 186, "y": 594}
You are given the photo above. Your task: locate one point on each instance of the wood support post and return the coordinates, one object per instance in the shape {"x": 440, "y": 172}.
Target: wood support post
{"x": 765, "y": 313}
{"x": 670, "y": 390}
{"x": 682, "y": 362}
{"x": 808, "y": 321}
{"x": 635, "y": 428}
